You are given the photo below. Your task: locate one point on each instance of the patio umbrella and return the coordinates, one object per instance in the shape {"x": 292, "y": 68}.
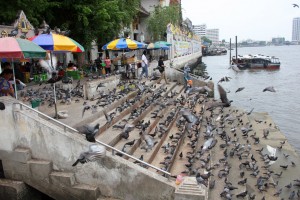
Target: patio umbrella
{"x": 17, "y": 48}
{"x": 123, "y": 43}
{"x": 162, "y": 43}
{"x": 152, "y": 46}
{"x": 57, "y": 43}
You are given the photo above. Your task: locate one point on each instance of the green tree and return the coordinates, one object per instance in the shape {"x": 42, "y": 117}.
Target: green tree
{"x": 34, "y": 10}
{"x": 159, "y": 19}
{"x": 205, "y": 39}
{"x": 88, "y": 20}
{"x": 99, "y": 20}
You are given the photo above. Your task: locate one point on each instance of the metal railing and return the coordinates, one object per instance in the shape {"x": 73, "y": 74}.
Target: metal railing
{"x": 48, "y": 117}
{"x": 167, "y": 174}
{"x": 113, "y": 150}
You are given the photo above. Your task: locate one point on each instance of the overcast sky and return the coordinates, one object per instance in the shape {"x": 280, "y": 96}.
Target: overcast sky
{"x": 251, "y": 19}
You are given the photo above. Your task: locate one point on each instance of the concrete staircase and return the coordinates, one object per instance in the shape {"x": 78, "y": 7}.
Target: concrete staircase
{"x": 39, "y": 174}
{"x": 189, "y": 189}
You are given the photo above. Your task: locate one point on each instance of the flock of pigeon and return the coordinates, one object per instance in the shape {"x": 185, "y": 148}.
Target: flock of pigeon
{"x": 243, "y": 169}
{"x": 223, "y": 149}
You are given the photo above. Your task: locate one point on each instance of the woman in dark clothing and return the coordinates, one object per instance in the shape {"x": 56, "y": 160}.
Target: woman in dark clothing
{"x": 161, "y": 68}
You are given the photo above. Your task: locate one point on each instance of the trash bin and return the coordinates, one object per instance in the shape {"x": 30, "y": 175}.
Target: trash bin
{"x": 35, "y": 103}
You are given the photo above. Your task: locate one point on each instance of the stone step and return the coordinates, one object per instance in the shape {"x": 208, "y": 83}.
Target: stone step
{"x": 86, "y": 191}
{"x": 189, "y": 189}
{"x": 12, "y": 189}
{"x": 21, "y": 154}
{"x": 40, "y": 169}
{"x": 62, "y": 178}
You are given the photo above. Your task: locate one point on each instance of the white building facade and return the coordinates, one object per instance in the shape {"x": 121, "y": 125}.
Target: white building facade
{"x": 200, "y": 30}
{"x": 296, "y": 29}
{"x": 213, "y": 35}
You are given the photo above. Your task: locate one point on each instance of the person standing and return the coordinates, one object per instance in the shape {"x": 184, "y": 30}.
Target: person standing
{"x": 161, "y": 68}
{"x": 144, "y": 65}
{"x": 107, "y": 65}
{"x": 186, "y": 74}
{"x": 6, "y": 88}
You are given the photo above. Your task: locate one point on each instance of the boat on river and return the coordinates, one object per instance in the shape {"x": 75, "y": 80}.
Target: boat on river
{"x": 256, "y": 62}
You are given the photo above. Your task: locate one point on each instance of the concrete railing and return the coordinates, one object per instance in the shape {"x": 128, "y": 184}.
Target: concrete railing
{"x": 44, "y": 115}
{"x": 134, "y": 158}
{"x": 113, "y": 150}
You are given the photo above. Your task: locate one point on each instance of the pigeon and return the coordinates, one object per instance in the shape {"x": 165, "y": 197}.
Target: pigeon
{"x": 99, "y": 85}
{"x": 130, "y": 143}
{"x": 108, "y": 117}
{"x": 224, "y": 79}
{"x": 2, "y": 106}
{"x": 89, "y": 131}
{"x": 270, "y": 89}
{"x": 87, "y": 107}
{"x": 239, "y": 89}
{"x": 223, "y": 96}
{"x": 95, "y": 152}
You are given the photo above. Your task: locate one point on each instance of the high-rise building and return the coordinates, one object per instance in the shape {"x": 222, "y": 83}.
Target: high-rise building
{"x": 200, "y": 30}
{"x": 213, "y": 35}
{"x": 296, "y": 29}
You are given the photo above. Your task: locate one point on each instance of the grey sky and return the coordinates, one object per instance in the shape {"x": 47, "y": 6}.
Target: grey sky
{"x": 251, "y": 19}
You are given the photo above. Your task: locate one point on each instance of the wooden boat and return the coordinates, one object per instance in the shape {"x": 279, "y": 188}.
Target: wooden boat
{"x": 256, "y": 62}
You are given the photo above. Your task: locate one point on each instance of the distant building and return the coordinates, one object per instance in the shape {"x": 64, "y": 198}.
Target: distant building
{"x": 296, "y": 29}
{"x": 213, "y": 35}
{"x": 200, "y": 30}
{"x": 278, "y": 41}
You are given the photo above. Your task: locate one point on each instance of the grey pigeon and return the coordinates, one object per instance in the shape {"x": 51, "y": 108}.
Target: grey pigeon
{"x": 89, "y": 131}
{"x": 223, "y": 96}
{"x": 95, "y": 152}
{"x": 239, "y": 89}
{"x": 270, "y": 89}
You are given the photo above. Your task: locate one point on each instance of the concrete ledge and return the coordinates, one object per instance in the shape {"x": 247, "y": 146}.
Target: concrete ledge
{"x": 17, "y": 190}
{"x": 40, "y": 169}
{"x": 86, "y": 191}
{"x": 15, "y": 170}
{"x": 19, "y": 155}
{"x": 62, "y": 178}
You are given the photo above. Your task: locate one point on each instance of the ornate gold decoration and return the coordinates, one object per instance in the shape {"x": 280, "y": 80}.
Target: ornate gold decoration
{"x": 4, "y": 33}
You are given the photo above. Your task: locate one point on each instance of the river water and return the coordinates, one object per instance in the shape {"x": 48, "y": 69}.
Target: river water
{"x": 283, "y": 105}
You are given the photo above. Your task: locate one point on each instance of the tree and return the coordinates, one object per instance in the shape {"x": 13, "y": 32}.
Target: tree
{"x": 34, "y": 10}
{"x": 88, "y": 20}
{"x": 205, "y": 39}
{"x": 160, "y": 18}
{"x": 99, "y": 20}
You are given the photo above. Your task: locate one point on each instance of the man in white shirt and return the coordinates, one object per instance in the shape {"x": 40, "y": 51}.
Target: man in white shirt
{"x": 144, "y": 65}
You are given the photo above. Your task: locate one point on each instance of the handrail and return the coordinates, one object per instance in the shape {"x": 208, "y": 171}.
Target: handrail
{"x": 40, "y": 113}
{"x": 106, "y": 145}
{"x": 134, "y": 158}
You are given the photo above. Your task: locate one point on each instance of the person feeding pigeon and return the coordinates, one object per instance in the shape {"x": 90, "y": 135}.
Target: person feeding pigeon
{"x": 186, "y": 74}
{"x": 161, "y": 68}
{"x": 189, "y": 85}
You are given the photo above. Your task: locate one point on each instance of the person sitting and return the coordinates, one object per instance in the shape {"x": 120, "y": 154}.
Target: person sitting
{"x": 189, "y": 85}
{"x": 6, "y": 88}
{"x": 61, "y": 72}
{"x": 71, "y": 67}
